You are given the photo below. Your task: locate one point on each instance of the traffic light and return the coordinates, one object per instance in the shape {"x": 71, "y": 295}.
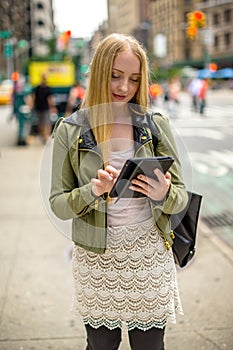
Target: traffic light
{"x": 200, "y": 19}
{"x": 66, "y": 36}
{"x": 191, "y": 30}
{"x": 195, "y": 20}
{"x": 191, "y": 20}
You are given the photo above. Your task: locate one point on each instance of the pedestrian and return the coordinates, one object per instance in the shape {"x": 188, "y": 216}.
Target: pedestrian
{"x": 75, "y": 98}
{"x": 44, "y": 106}
{"x": 202, "y": 96}
{"x": 193, "y": 89}
{"x": 174, "y": 89}
{"x": 124, "y": 272}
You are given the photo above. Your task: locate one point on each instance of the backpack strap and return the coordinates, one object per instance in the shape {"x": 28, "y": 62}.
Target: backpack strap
{"x": 153, "y": 128}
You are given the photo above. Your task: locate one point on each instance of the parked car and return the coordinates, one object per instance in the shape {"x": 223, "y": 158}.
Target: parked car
{"x": 6, "y": 90}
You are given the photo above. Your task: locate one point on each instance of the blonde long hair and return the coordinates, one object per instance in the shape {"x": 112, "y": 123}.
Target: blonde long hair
{"x": 97, "y": 97}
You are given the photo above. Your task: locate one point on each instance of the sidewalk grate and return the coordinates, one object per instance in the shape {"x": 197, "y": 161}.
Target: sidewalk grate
{"x": 223, "y": 219}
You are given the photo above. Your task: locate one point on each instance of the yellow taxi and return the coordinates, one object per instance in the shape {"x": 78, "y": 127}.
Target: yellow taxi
{"x": 6, "y": 90}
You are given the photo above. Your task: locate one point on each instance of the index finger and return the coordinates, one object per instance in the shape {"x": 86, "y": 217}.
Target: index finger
{"x": 104, "y": 175}
{"x": 111, "y": 170}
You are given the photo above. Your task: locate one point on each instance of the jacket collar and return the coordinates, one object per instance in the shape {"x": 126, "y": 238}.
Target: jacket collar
{"x": 79, "y": 118}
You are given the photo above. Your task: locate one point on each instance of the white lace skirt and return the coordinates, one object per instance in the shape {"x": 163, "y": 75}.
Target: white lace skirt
{"x": 133, "y": 282}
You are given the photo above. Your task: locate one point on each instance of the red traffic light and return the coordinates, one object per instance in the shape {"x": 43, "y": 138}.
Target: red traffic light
{"x": 200, "y": 19}
{"x": 199, "y": 16}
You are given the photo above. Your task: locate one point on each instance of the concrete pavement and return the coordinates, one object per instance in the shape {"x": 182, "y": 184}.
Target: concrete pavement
{"x": 36, "y": 281}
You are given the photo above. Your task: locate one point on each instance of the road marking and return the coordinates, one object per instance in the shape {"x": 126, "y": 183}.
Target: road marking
{"x": 214, "y": 163}
{"x": 210, "y": 134}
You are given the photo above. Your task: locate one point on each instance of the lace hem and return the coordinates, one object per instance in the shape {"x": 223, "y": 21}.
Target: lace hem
{"x": 119, "y": 324}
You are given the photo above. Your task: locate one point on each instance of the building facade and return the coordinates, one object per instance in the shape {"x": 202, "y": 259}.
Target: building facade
{"x": 219, "y": 33}
{"x": 42, "y": 27}
{"x": 161, "y": 26}
{"x": 29, "y": 24}
{"x": 130, "y": 17}
{"x": 214, "y": 42}
{"x": 123, "y": 16}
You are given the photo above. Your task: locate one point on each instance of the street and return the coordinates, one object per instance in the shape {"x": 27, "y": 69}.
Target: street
{"x": 209, "y": 144}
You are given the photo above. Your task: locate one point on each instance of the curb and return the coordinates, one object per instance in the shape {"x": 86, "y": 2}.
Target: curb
{"x": 217, "y": 241}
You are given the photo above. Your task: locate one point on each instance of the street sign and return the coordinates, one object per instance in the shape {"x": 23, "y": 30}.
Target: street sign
{"x": 5, "y": 34}
{"x": 8, "y": 49}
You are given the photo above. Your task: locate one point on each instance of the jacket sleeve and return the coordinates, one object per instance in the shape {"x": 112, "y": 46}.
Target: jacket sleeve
{"x": 177, "y": 197}
{"x": 67, "y": 200}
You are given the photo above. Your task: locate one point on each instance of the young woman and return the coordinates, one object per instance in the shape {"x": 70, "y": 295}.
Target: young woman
{"x": 123, "y": 267}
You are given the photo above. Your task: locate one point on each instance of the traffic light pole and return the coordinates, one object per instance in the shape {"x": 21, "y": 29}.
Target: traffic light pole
{"x": 208, "y": 39}
{"x": 206, "y": 57}
{"x": 9, "y": 54}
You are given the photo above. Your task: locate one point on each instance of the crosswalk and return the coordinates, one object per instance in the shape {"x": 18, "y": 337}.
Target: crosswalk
{"x": 184, "y": 112}
{"x": 205, "y": 140}
{"x": 216, "y": 124}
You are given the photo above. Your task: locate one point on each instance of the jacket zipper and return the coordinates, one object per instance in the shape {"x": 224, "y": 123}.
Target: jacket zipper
{"x": 166, "y": 243}
{"x": 96, "y": 201}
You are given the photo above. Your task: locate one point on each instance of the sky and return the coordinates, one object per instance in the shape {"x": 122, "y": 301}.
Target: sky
{"x": 82, "y": 17}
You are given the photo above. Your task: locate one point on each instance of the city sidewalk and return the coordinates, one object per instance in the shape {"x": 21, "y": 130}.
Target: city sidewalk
{"x": 36, "y": 281}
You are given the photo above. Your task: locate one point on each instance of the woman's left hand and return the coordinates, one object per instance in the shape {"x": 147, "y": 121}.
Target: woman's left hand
{"x": 154, "y": 189}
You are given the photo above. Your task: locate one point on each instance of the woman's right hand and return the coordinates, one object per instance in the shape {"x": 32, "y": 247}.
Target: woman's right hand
{"x": 105, "y": 180}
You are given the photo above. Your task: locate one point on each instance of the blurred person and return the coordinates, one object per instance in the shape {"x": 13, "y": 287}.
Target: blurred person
{"x": 124, "y": 271}
{"x": 173, "y": 92}
{"x": 155, "y": 90}
{"x": 75, "y": 98}
{"x": 44, "y": 105}
{"x": 194, "y": 89}
{"x": 18, "y": 83}
{"x": 165, "y": 92}
{"x": 202, "y": 95}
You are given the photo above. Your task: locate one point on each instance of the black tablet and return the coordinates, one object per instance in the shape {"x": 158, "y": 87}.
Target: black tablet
{"x": 132, "y": 168}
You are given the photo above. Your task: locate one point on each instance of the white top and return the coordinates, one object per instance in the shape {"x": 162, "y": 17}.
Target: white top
{"x": 126, "y": 210}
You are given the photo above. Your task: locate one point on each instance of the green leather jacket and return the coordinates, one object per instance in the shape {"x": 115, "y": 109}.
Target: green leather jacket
{"x": 76, "y": 159}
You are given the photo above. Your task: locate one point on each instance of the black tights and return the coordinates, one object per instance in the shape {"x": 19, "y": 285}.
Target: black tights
{"x": 103, "y": 338}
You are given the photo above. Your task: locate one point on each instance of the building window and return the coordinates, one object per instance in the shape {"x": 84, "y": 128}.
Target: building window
{"x": 41, "y": 39}
{"x": 216, "y": 42}
{"x": 216, "y": 19}
{"x": 39, "y": 6}
{"x": 40, "y": 23}
{"x": 227, "y": 39}
{"x": 227, "y": 16}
